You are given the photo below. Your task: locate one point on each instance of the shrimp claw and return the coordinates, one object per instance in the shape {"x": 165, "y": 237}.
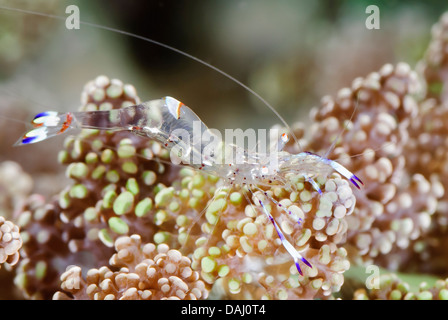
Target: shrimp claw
{"x": 346, "y": 173}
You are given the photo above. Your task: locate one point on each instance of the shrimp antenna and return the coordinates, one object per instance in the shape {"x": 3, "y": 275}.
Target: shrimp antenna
{"x": 344, "y": 129}
{"x": 12, "y": 119}
{"x": 163, "y": 45}
{"x": 17, "y": 95}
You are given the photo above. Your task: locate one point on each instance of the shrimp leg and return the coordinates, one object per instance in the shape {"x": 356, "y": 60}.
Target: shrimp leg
{"x": 286, "y": 244}
{"x": 338, "y": 168}
{"x": 298, "y": 220}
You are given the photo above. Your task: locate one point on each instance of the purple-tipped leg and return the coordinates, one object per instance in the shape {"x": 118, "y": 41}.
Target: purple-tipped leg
{"x": 298, "y": 268}
{"x": 305, "y": 262}
{"x": 347, "y": 174}
{"x": 286, "y": 244}
{"x": 352, "y": 180}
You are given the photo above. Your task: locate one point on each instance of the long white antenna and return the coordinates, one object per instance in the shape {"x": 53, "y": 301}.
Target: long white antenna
{"x": 344, "y": 129}
{"x": 163, "y": 45}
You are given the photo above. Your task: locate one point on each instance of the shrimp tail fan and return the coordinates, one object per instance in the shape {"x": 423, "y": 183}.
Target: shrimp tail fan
{"x": 46, "y": 125}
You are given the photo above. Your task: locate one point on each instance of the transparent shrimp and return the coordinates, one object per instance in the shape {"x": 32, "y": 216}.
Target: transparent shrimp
{"x": 177, "y": 127}
{"x": 163, "y": 119}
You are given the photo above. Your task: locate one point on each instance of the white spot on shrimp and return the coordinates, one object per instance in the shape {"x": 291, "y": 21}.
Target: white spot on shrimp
{"x": 264, "y": 170}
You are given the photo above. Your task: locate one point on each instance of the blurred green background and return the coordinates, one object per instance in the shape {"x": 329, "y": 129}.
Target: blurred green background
{"x": 290, "y": 52}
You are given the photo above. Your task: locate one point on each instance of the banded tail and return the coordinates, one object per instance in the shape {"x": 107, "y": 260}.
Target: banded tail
{"x": 46, "y": 125}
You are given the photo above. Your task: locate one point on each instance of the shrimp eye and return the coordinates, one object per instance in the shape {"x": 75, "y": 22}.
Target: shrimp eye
{"x": 264, "y": 170}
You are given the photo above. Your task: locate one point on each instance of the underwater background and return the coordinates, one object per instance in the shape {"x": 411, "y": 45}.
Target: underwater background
{"x": 72, "y": 204}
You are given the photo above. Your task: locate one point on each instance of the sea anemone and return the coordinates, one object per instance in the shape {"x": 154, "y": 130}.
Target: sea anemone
{"x": 146, "y": 272}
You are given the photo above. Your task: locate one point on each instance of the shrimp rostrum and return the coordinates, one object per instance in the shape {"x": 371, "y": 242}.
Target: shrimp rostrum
{"x": 192, "y": 143}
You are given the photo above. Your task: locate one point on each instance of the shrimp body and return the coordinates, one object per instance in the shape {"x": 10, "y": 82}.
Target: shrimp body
{"x": 178, "y": 128}
{"x": 192, "y": 143}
